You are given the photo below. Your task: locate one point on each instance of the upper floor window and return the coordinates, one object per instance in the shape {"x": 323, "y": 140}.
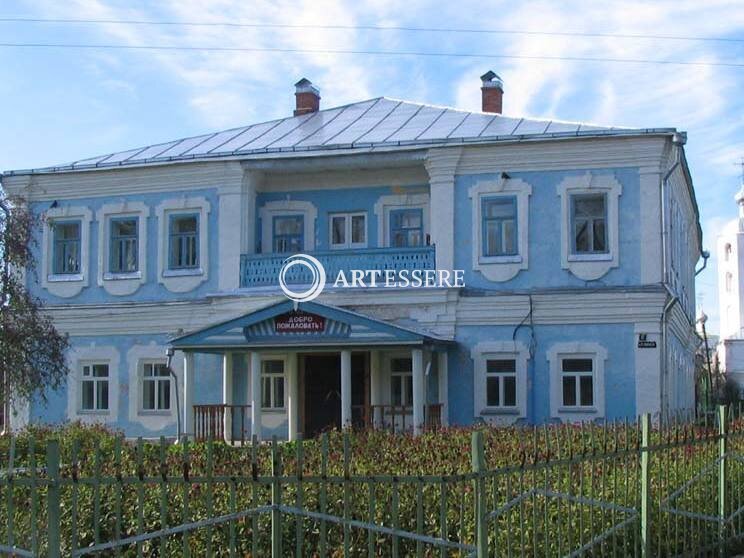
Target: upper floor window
{"x": 729, "y": 281}
{"x": 183, "y": 241}
{"x": 589, "y": 223}
{"x": 499, "y": 226}
{"x": 95, "y": 387}
{"x": 401, "y": 381}
{"x": 288, "y": 233}
{"x": 348, "y": 230}
{"x": 577, "y": 382}
{"x": 501, "y": 383}
{"x": 156, "y": 387}
{"x": 727, "y": 252}
{"x": 124, "y": 245}
{"x": 406, "y": 228}
{"x": 66, "y": 247}
{"x": 272, "y": 384}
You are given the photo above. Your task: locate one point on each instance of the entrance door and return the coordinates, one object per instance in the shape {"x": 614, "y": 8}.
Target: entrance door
{"x": 322, "y": 393}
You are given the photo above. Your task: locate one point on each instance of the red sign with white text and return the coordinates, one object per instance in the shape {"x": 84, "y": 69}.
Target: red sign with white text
{"x": 299, "y": 322}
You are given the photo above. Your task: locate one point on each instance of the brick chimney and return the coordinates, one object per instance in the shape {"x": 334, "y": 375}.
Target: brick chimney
{"x": 492, "y": 92}
{"x": 307, "y": 97}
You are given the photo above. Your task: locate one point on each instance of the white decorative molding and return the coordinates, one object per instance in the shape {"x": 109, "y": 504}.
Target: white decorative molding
{"x": 272, "y": 209}
{"x": 137, "y": 356}
{"x": 66, "y": 286}
{"x": 441, "y": 166}
{"x": 93, "y": 354}
{"x": 120, "y": 284}
{"x": 501, "y": 268}
{"x": 480, "y": 353}
{"x": 386, "y": 203}
{"x": 590, "y": 266}
{"x": 181, "y": 281}
{"x": 578, "y": 349}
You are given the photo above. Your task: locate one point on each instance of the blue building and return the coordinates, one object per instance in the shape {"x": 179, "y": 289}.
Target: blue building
{"x": 576, "y": 245}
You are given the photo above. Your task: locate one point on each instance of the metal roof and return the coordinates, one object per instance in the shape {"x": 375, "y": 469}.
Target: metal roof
{"x": 375, "y": 124}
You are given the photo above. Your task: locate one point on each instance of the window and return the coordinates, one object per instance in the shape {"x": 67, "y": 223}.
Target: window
{"x": 156, "y": 387}
{"x": 406, "y": 228}
{"x": 499, "y": 226}
{"x": 66, "y": 250}
{"x": 729, "y": 281}
{"x": 589, "y": 223}
{"x": 577, "y": 382}
{"x": 272, "y": 384}
{"x": 95, "y": 387}
{"x": 401, "y": 382}
{"x": 348, "y": 230}
{"x": 183, "y": 234}
{"x": 501, "y": 383}
{"x": 124, "y": 245}
{"x": 288, "y": 234}
{"x": 727, "y": 252}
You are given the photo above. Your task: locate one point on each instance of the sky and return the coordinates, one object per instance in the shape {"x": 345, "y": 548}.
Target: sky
{"x": 60, "y": 104}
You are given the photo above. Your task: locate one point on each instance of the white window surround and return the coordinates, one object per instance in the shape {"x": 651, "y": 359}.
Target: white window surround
{"x": 66, "y": 286}
{"x": 590, "y": 266}
{"x": 501, "y": 268}
{"x": 137, "y": 356}
{"x": 598, "y": 354}
{"x": 272, "y": 209}
{"x": 348, "y": 217}
{"x": 120, "y": 284}
{"x": 183, "y": 280}
{"x": 77, "y": 358}
{"x": 484, "y": 351}
{"x": 386, "y": 203}
{"x": 285, "y": 367}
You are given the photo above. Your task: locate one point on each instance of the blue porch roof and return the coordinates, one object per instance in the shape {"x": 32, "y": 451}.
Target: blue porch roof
{"x": 309, "y": 325}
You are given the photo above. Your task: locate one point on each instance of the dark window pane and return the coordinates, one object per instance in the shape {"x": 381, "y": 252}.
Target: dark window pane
{"x": 164, "y": 395}
{"x": 587, "y": 392}
{"x": 87, "y": 402}
{"x": 600, "y": 243}
{"x": 409, "y": 389}
{"x": 582, "y": 236}
{"x": 396, "y": 390}
{"x": 508, "y": 365}
{"x": 338, "y": 227}
{"x": 510, "y": 391}
{"x": 577, "y": 365}
{"x": 278, "y": 391}
{"x": 569, "y": 391}
{"x": 266, "y": 392}
{"x": 492, "y": 392}
{"x": 148, "y": 395}
{"x": 358, "y": 229}
{"x": 401, "y": 365}
{"x": 184, "y": 224}
{"x": 102, "y": 395}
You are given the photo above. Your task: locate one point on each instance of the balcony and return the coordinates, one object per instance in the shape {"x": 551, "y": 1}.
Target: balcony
{"x": 262, "y": 270}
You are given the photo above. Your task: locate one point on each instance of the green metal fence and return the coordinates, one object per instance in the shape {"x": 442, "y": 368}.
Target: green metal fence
{"x": 623, "y": 489}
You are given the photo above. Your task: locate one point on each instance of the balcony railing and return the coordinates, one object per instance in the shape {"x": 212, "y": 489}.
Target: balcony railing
{"x": 262, "y": 270}
{"x": 231, "y": 423}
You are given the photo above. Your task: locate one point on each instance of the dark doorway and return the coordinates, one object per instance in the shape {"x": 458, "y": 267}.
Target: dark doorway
{"x": 322, "y": 393}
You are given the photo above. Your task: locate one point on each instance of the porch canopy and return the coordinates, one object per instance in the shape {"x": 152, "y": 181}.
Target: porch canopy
{"x": 304, "y": 327}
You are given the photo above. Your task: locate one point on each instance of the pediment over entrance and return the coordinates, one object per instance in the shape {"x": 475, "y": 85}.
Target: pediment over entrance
{"x": 309, "y": 324}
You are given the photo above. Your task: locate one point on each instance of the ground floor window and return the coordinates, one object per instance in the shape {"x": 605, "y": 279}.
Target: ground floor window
{"x": 95, "y": 387}
{"x": 577, "y": 382}
{"x": 501, "y": 383}
{"x": 272, "y": 384}
{"x": 401, "y": 381}
{"x": 156, "y": 387}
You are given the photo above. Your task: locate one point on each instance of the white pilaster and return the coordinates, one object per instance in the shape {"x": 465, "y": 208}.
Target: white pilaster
{"x": 417, "y": 360}
{"x": 188, "y": 394}
{"x": 229, "y": 226}
{"x": 227, "y": 393}
{"x": 255, "y": 372}
{"x": 251, "y": 180}
{"x": 292, "y": 396}
{"x": 441, "y": 164}
{"x": 442, "y": 370}
{"x": 650, "y": 209}
{"x": 375, "y": 387}
{"x": 345, "y": 388}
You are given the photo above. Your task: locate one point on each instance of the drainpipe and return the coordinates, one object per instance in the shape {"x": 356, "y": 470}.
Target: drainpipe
{"x": 705, "y": 254}
{"x": 169, "y": 352}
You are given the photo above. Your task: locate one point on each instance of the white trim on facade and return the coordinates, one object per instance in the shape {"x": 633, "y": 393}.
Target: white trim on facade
{"x": 66, "y": 286}
{"x": 120, "y": 284}
{"x": 598, "y": 354}
{"x": 480, "y": 353}
{"x": 272, "y": 209}
{"x": 180, "y": 281}
{"x": 389, "y": 202}
{"x": 590, "y": 266}
{"x": 501, "y": 268}
{"x": 137, "y": 356}
{"x": 77, "y": 358}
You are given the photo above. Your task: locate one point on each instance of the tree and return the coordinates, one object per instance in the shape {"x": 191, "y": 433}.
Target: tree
{"x": 32, "y": 351}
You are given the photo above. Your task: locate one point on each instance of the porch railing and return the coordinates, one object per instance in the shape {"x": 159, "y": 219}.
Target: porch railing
{"x": 396, "y": 418}
{"x": 262, "y": 270}
{"x": 231, "y": 423}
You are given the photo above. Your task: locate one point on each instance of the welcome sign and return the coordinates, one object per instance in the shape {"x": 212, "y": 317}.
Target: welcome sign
{"x": 299, "y": 322}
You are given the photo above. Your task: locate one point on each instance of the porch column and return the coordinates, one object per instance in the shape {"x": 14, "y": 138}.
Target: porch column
{"x": 292, "y": 396}
{"x": 443, "y": 386}
{"x": 256, "y": 394}
{"x": 345, "y": 388}
{"x": 375, "y": 388}
{"x": 227, "y": 394}
{"x": 188, "y": 395}
{"x": 417, "y": 358}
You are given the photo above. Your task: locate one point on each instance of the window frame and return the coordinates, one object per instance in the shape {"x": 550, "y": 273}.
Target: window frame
{"x": 513, "y": 201}
{"x": 573, "y": 198}
{"x": 300, "y": 235}
{"x": 272, "y": 378}
{"x": 95, "y": 380}
{"x": 501, "y": 377}
{"x": 172, "y": 216}
{"x": 392, "y": 215}
{"x": 112, "y": 239}
{"x": 577, "y": 375}
{"x": 585, "y": 349}
{"x": 156, "y": 380}
{"x": 406, "y": 383}
{"x": 78, "y": 241}
{"x": 480, "y": 354}
{"x": 348, "y": 229}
